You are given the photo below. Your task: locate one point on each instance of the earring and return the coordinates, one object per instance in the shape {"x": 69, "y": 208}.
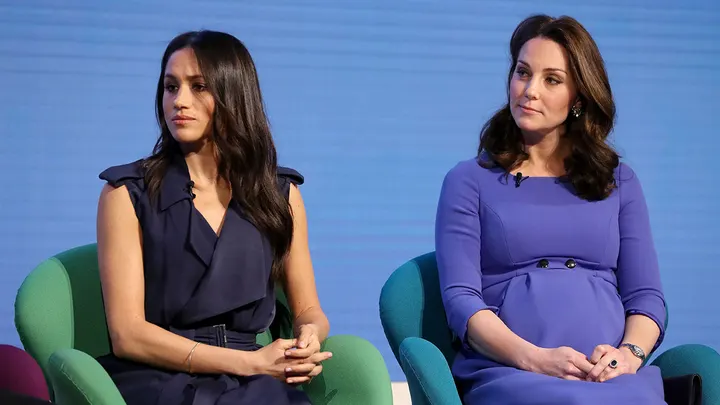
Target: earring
{"x": 576, "y": 111}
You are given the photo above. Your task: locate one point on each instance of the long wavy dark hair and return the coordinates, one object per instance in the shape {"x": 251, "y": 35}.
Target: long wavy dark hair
{"x": 591, "y": 163}
{"x": 241, "y": 136}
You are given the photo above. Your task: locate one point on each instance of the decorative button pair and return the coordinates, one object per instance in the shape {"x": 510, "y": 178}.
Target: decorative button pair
{"x": 545, "y": 263}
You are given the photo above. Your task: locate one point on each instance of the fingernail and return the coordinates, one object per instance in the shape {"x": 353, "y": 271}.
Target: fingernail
{"x": 287, "y": 370}
{"x": 287, "y": 353}
{"x": 329, "y": 355}
{"x": 302, "y": 345}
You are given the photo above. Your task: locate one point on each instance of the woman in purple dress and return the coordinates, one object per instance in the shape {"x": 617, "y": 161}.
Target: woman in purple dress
{"x": 548, "y": 270}
{"x": 192, "y": 240}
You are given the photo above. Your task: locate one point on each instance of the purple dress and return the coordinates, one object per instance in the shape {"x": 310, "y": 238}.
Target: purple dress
{"x": 557, "y": 269}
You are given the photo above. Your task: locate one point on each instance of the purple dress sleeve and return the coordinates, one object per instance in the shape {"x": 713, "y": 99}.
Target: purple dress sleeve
{"x": 637, "y": 267}
{"x": 457, "y": 246}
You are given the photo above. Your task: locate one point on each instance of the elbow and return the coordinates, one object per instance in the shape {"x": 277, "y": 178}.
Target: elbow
{"x": 123, "y": 342}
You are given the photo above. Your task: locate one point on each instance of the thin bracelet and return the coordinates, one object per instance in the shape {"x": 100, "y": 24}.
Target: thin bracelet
{"x": 189, "y": 358}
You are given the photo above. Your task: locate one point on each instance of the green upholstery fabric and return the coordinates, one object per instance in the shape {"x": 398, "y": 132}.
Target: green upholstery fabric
{"x": 413, "y": 318}
{"x": 60, "y": 318}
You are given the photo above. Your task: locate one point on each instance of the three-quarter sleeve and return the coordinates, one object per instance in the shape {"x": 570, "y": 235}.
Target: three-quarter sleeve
{"x": 457, "y": 245}
{"x": 638, "y": 272}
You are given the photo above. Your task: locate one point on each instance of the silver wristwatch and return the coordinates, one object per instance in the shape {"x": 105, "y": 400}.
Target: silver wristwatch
{"x": 635, "y": 350}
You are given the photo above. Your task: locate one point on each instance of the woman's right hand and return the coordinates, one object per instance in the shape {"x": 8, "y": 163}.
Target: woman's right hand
{"x": 271, "y": 360}
{"x": 562, "y": 362}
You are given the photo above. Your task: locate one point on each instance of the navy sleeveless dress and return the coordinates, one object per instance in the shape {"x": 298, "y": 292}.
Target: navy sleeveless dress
{"x": 212, "y": 289}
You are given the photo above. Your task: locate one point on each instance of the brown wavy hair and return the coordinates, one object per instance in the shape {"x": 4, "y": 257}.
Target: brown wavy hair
{"x": 591, "y": 163}
{"x": 245, "y": 150}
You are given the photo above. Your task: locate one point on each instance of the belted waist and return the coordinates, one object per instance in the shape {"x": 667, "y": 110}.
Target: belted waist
{"x": 218, "y": 335}
{"x": 550, "y": 264}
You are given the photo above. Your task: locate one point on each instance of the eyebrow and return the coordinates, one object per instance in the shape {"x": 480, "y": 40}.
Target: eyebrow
{"x": 193, "y": 77}
{"x": 546, "y": 69}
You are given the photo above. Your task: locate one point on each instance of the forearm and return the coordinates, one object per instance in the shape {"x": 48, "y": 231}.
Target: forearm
{"x": 314, "y": 316}
{"x": 488, "y": 335}
{"x": 153, "y": 345}
{"x": 641, "y": 331}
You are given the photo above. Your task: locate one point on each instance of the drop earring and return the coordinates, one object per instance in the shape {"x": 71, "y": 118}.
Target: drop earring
{"x": 576, "y": 111}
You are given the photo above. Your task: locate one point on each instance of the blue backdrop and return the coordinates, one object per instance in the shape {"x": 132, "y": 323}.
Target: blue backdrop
{"x": 373, "y": 102}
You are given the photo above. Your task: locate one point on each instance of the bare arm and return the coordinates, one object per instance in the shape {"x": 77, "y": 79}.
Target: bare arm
{"x": 121, "y": 273}
{"x": 299, "y": 276}
{"x": 489, "y": 336}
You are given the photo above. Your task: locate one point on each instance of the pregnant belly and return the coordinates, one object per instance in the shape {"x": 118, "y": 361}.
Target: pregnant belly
{"x": 552, "y": 308}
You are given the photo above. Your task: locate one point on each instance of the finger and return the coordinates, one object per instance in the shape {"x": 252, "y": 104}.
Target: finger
{"x": 607, "y": 374}
{"x": 318, "y": 358}
{"x": 599, "y": 352}
{"x": 302, "y": 353}
{"x": 306, "y": 337}
{"x": 297, "y": 380}
{"x": 571, "y": 377}
{"x": 610, "y": 373}
{"x": 583, "y": 364}
{"x": 299, "y": 369}
{"x": 574, "y": 372}
{"x": 599, "y": 368}
{"x": 316, "y": 371}
{"x": 286, "y": 344}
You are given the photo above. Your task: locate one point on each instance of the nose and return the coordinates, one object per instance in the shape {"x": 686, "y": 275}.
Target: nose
{"x": 531, "y": 90}
{"x": 182, "y": 97}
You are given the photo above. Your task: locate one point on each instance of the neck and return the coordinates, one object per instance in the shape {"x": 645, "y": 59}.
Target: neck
{"x": 202, "y": 166}
{"x": 546, "y": 152}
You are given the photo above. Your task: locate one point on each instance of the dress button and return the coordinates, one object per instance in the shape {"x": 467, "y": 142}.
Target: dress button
{"x": 570, "y": 264}
{"x": 543, "y": 263}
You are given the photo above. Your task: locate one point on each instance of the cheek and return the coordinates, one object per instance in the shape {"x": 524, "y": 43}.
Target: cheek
{"x": 167, "y": 103}
{"x": 517, "y": 89}
{"x": 559, "y": 104}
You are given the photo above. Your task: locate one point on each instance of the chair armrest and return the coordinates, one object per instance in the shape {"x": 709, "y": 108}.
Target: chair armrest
{"x": 356, "y": 374}
{"x": 78, "y": 379}
{"x": 429, "y": 377}
{"x": 694, "y": 359}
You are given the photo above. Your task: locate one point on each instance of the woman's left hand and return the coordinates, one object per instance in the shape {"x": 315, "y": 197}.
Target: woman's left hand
{"x": 604, "y": 357}
{"x": 308, "y": 342}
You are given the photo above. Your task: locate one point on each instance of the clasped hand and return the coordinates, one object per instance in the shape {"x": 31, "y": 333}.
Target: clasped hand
{"x": 605, "y": 363}
{"x": 295, "y": 361}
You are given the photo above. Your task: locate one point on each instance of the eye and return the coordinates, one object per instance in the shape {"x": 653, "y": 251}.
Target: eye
{"x": 170, "y": 88}
{"x": 522, "y": 72}
{"x": 199, "y": 87}
{"x": 553, "y": 81}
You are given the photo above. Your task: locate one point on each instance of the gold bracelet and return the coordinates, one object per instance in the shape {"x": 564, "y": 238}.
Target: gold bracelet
{"x": 189, "y": 358}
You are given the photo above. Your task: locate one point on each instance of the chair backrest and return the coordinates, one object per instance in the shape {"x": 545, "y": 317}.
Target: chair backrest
{"x": 411, "y": 306}
{"x": 60, "y": 306}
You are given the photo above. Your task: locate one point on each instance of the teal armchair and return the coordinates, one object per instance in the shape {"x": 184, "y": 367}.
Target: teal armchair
{"x": 60, "y": 318}
{"x": 413, "y": 318}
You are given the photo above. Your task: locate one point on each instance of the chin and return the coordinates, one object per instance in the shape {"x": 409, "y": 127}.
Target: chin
{"x": 529, "y": 124}
{"x": 187, "y": 137}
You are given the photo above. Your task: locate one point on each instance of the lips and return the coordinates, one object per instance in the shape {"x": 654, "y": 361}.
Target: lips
{"x": 528, "y": 109}
{"x": 182, "y": 118}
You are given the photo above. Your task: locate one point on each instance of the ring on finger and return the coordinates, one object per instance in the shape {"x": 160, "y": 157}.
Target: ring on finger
{"x": 613, "y": 364}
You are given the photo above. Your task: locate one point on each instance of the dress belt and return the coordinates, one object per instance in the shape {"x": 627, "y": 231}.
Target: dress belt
{"x": 218, "y": 335}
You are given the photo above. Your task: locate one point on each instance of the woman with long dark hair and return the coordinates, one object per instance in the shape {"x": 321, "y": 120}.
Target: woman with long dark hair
{"x": 547, "y": 266}
{"x": 192, "y": 240}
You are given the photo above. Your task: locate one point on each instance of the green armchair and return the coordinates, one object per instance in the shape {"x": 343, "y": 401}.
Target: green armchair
{"x": 60, "y": 318}
{"x": 413, "y": 318}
